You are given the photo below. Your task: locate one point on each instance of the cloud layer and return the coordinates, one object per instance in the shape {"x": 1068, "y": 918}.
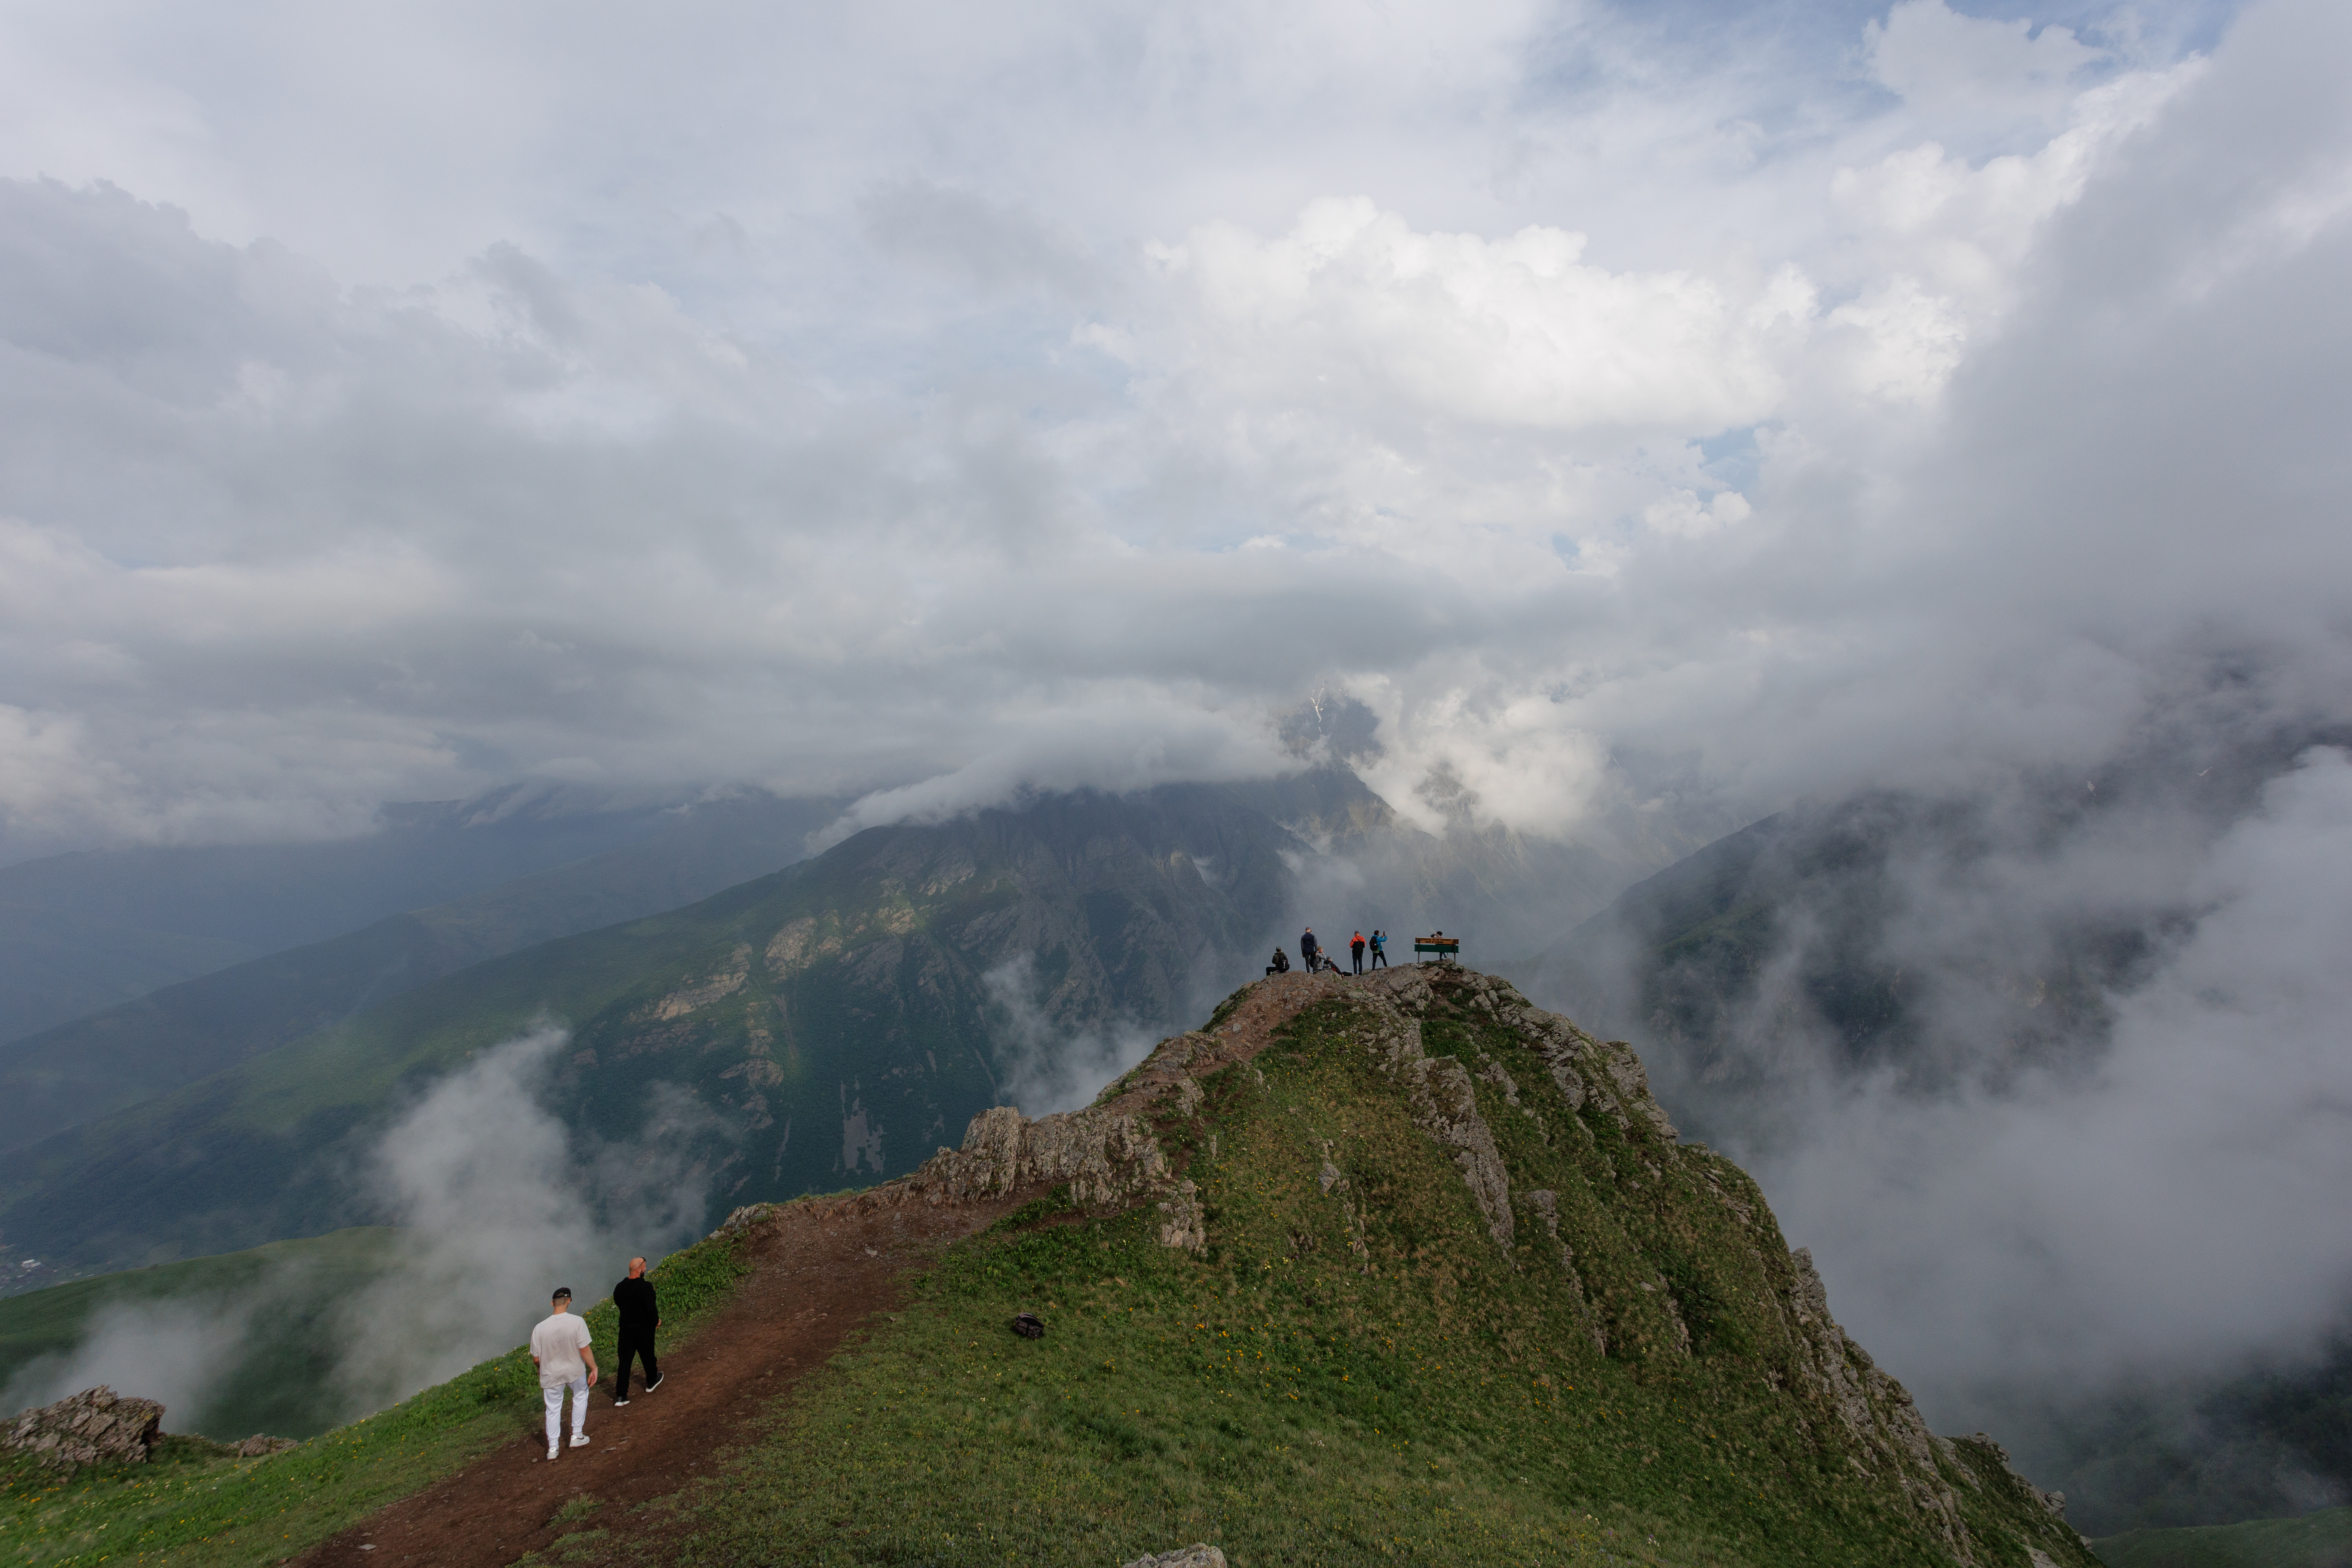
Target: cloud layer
{"x": 1539, "y": 377}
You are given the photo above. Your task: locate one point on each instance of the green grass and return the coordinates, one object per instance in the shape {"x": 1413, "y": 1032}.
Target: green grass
{"x": 2322, "y": 1539}
{"x": 190, "y": 1506}
{"x": 1279, "y": 1401}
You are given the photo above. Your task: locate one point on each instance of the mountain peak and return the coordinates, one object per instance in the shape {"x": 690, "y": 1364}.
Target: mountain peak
{"x": 1425, "y": 1140}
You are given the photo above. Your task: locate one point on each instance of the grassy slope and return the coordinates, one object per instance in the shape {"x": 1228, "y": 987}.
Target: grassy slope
{"x": 1276, "y": 1398}
{"x": 2322, "y": 1539}
{"x": 280, "y": 1384}
{"x": 196, "y": 1509}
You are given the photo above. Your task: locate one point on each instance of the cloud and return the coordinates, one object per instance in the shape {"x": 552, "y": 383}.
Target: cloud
{"x": 1977, "y": 67}
{"x": 2135, "y": 1203}
{"x": 499, "y": 1203}
{"x": 1353, "y": 306}
{"x": 178, "y": 1354}
{"x": 1043, "y": 1067}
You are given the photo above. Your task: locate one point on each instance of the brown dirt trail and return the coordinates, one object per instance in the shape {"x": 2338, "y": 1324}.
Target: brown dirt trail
{"x": 819, "y": 1268}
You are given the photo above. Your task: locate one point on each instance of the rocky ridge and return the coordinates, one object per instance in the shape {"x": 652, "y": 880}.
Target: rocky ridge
{"x": 1116, "y": 1154}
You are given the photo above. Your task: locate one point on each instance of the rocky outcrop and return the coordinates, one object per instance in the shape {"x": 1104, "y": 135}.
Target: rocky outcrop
{"x": 1201, "y": 1554}
{"x": 1445, "y": 1106}
{"x": 1187, "y": 1225}
{"x": 1875, "y": 1410}
{"x": 96, "y": 1426}
{"x": 260, "y": 1446}
{"x": 1110, "y": 1160}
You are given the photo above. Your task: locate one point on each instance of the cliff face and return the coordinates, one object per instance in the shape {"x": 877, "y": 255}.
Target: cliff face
{"x": 1423, "y": 1152}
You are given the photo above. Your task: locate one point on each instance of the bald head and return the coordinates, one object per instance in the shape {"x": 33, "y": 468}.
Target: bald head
{"x": 636, "y": 1268}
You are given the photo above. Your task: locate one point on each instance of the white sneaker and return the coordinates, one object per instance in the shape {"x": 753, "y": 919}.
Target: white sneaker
{"x": 551, "y": 1452}
{"x": 579, "y": 1439}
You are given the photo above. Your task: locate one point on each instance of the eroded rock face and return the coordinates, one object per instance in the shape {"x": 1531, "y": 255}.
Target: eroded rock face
{"x": 1446, "y": 1107}
{"x": 1109, "y": 1159}
{"x": 1872, "y": 1407}
{"x": 96, "y": 1426}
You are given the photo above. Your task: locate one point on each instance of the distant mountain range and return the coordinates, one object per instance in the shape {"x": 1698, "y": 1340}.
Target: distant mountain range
{"x": 839, "y": 1018}
{"x": 85, "y": 931}
{"x": 177, "y": 1033}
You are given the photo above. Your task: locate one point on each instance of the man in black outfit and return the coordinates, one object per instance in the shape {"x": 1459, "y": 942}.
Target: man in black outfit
{"x": 640, "y": 1316}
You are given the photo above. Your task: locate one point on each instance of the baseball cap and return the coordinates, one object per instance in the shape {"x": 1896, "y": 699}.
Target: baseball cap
{"x": 562, "y": 1293}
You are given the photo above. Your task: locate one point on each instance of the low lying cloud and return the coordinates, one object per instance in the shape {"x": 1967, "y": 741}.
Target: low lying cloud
{"x": 180, "y": 1354}
{"x": 498, "y": 1203}
{"x": 1042, "y": 1067}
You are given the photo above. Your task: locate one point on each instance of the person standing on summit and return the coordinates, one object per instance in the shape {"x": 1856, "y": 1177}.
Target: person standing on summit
{"x": 1356, "y": 951}
{"x": 1380, "y": 949}
{"x": 566, "y": 1360}
{"x": 640, "y": 1316}
{"x": 1309, "y": 949}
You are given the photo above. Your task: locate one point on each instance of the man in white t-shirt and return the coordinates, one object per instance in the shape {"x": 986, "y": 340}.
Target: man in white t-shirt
{"x": 566, "y": 1360}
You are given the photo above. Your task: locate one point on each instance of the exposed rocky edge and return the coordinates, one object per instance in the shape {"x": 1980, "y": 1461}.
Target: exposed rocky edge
{"x": 260, "y": 1446}
{"x": 96, "y": 1426}
{"x": 1109, "y": 1159}
{"x": 1200, "y": 1554}
{"x": 1987, "y": 1457}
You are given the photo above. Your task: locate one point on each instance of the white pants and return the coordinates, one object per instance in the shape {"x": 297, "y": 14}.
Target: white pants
{"x": 554, "y": 1397}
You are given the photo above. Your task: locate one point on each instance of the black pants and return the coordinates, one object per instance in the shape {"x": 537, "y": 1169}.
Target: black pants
{"x": 635, "y": 1343}
{"x": 1358, "y": 957}
{"x": 1379, "y": 958}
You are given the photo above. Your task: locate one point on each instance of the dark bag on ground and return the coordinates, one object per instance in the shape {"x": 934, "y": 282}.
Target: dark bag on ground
{"x": 1028, "y": 1326}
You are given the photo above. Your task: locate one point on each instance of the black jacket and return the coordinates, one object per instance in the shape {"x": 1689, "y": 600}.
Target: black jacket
{"x": 638, "y": 1308}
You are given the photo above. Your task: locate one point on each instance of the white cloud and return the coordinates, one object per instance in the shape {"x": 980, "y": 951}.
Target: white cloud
{"x": 1979, "y": 68}
{"x": 1353, "y": 308}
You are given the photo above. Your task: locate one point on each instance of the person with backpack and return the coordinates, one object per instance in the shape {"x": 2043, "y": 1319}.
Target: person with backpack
{"x": 1356, "y": 951}
{"x": 1309, "y": 949}
{"x": 1281, "y": 965}
{"x": 1380, "y": 949}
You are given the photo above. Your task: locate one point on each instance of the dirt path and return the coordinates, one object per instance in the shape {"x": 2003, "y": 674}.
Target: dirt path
{"x": 819, "y": 1269}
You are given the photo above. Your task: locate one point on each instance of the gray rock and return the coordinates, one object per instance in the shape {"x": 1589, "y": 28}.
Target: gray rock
{"x": 96, "y": 1426}
{"x": 1200, "y": 1554}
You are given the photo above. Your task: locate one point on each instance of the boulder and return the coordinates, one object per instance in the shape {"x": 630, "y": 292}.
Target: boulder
{"x": 96, "y": 1426}
{"x": 1200, "y": 1554}
{"x": 260, "y": 1446}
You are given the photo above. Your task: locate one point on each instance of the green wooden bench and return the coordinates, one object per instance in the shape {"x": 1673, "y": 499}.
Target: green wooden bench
{"x": 1445, "y": 947}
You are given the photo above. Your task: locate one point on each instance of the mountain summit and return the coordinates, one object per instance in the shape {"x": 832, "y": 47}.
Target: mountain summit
{"x": 1406, "y": 1243}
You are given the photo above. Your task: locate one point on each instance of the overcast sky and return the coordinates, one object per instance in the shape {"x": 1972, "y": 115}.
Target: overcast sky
{"x": 932, "y": 399}
{"x": 399, "y": 403}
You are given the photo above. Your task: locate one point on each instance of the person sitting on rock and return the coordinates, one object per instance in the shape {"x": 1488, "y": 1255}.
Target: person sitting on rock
{"x": 1281, "y": 965}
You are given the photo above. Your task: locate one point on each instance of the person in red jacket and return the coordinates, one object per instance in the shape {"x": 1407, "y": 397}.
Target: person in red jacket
{"x": 1356, "y": 951}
